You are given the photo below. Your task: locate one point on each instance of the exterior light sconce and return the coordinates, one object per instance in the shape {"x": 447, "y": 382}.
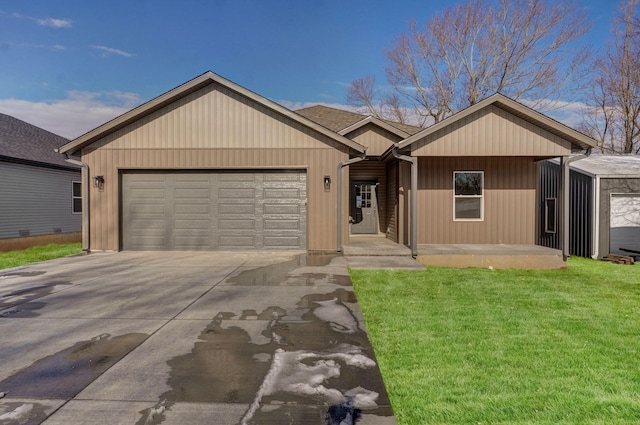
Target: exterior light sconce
{"x": 98, "y": 181}
{"x": 327, "y": 183}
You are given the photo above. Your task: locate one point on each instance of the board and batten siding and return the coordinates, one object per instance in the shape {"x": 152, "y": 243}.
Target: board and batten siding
{"x": 376, "y": 139}
{"x": 36, "y": 201}
{"x": 509, "y": 201}
{"x": 215, "y": 128}
{"x": 491, "y": 131}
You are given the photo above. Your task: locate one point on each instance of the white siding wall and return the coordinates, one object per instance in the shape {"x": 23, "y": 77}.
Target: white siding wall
{"x": 36, "y": 200}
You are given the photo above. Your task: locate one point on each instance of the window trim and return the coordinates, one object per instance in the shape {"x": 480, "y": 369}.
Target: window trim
{"x": 547, "y": 228}
{"x": 481, "y": 196}
{"x": 73, "y": 197}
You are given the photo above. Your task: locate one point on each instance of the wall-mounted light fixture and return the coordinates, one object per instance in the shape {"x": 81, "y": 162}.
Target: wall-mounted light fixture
{"x": 98, "y": 181}
{"x": 327, "y": 183}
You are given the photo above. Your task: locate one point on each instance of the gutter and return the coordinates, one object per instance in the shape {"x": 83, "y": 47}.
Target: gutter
{"x": 339, "y": 184}
{"x": 414, "y": 198}
{"x": 566, "y": 199}
{"x": 85, "y": 199}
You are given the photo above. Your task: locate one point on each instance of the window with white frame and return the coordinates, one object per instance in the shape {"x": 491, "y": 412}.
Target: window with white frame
{"x": 468, "y": 195}
{"x": 76, "y": 197}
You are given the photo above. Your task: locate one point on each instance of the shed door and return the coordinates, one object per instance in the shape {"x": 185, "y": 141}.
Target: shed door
{"x": 213, "y": 210}
{"x": 624, "y": 224}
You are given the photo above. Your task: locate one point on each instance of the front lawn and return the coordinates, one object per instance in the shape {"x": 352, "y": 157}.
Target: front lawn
{"x": 478, "y": 346}
{"x": 37, "y": 253}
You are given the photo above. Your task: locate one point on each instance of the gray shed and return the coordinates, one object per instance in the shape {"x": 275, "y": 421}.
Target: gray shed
{"x": 604, "y": 205}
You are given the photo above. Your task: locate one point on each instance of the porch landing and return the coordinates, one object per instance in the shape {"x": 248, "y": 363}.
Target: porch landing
{"x": 376, "y": 251}
{"x": 501, "y": 256}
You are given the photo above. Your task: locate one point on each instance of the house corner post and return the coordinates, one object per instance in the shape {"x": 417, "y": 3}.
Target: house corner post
{"x": 85, "y": 201}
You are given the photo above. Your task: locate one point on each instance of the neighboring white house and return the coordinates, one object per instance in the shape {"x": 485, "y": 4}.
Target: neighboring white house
{"x": 40, "y": 193}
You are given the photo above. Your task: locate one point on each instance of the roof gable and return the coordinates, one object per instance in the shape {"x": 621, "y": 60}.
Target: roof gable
{"x": 538, "y": 135}
{"x": 22, "y": 141}
{"x": 344, "y": 122}
{"x": 186, "y": 89}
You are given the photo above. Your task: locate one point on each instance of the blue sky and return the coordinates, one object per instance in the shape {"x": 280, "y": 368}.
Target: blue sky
{"x": 69, "y": 66}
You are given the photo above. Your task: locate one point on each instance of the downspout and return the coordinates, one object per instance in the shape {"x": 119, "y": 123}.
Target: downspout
{"x": 339, "y": 184}
{"x": 413, "y": 199}
{"x": 596, "y": 219}
{"x": 566, "y": 162}
{"x": 85, "y": 200}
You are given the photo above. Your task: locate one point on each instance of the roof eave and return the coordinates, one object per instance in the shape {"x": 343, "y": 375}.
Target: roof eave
{"x": 191, "y": 86}
{"x": 578, "y": 139}
{"x": 373, "y": 120}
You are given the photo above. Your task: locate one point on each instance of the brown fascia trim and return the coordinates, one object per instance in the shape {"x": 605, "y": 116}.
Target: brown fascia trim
{"x": 185, "y": 89}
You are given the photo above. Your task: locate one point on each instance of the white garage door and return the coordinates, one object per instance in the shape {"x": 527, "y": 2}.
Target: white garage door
{"x": 214, "y": 210}
{"x": 625, "y": 223}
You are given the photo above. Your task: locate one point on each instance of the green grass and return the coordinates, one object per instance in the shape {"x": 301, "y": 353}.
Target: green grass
{"x": 37, "y": 253}
{"x": 476, "y": 346}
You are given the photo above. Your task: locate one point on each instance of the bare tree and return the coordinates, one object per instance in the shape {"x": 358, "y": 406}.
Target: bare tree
{"x": 524, "y": 49}
{"x": 613, "y": 112}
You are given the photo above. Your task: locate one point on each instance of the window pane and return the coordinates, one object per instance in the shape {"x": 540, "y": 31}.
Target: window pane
{"x": 468, "y": 208}
{"x": 77, "y": 205}
{"x": 468, "y": 183}
{"x": 77, "y": 189}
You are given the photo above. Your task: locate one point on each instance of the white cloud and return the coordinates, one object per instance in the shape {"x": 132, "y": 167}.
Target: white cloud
{"x": 569, "y": 113}
{"x": 107, "y": 51}
{"x": 45, "y": 22}
{"x": 78, "y": 113}
{"x": 54, "y": 23}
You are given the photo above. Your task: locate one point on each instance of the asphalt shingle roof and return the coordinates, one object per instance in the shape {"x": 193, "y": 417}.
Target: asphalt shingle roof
{"x": 339, "y": 119}
{"x": 23, "y": 141}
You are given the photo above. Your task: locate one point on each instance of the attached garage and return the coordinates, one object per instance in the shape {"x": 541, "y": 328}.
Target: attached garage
{"x": 217, "y": 210}
{"x": 211, "y": 165}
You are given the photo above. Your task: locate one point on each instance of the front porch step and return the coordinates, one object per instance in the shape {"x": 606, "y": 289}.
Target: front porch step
{"x": 366, "y": 246}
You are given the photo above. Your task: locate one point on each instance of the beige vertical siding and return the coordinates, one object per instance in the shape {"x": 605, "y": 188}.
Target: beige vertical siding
{"x": 392, "y": 201}
{"x": 215, "y": 128}
{"x": 509, "y": 201}
{"x": 214, "y": 117}
{"x": 373, "y": 170}
{"x": 376, "y": 139}
{"x": 492, "y": 131}
{"x": 105, "y": 203}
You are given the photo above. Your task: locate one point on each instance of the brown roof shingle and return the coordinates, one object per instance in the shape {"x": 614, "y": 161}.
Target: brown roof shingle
{"x": 339, "y": 119}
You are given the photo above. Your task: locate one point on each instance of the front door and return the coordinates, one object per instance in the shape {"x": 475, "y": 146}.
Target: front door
{"x": 364, "y": 207}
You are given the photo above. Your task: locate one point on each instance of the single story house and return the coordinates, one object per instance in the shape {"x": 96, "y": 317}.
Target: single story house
{"x": 212, "y": 165}
{"x": 604, "y": 205}
{"x": 40, "y": 193}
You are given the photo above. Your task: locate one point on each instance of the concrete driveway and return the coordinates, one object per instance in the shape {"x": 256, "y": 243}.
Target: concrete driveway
{"x": 184, "y": 338}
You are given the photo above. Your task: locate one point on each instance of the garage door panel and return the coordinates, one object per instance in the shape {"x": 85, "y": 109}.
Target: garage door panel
{"x": 234, "y": 209}
{"x": 281, "y": 242}
{"x": 235, "y": 242}
{"x": 287, "y": 208}
{"x": 214, "y": 210}
{"x": 624, "y": 232}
